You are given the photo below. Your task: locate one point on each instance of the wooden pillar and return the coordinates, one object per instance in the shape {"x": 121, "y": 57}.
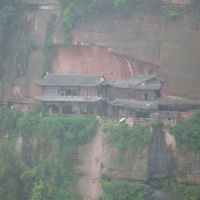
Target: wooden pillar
{"x": 60, "y": 109}
{"x": 79, "y": 108}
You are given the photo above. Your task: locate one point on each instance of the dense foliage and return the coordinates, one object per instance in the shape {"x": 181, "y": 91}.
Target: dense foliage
{"x": 178, "y": 190}
{"x": 188, "y": 132}
{"x": 126, "y": 138}
{"x": 77, "y": 10}
{"x": 95, "y": 7}
{"x": 124, "y": 190}
{"x": 171, "y": 14}
{"x": 43, "y": 168}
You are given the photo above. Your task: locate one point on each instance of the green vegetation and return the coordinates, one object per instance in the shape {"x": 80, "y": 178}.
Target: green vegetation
{"x": 81, "y": 10}
{"x": 188, "y": 132}
{"x": 43, "y": 170}
{"x": 88, "y": 41}
{"x": 171, "y": 14}
{"x": 8, "y": 121}
{"x": 124, "y": 190}
{"x": 157, "y": 126}
{"x": 178, "y": 190}
{"x": 126, "y": 138}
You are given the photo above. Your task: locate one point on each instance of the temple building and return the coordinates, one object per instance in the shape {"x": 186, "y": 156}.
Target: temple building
{"x": 137, "y": 98}
{"x": 72, "y": 93}
{"x": 134, "y": 97}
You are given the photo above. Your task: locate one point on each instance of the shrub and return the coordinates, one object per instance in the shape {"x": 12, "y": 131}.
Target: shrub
{"x": 123, "y": 190}
{"x": 188, "y": 132}
{"x": 171, "y": 14}
{"x": 128, "y": 138}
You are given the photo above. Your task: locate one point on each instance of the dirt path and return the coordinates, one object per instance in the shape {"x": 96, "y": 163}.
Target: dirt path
{"x": 90, "y": 156}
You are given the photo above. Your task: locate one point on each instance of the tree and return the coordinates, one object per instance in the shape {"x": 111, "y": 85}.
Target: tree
{"x": 38, "y": 191}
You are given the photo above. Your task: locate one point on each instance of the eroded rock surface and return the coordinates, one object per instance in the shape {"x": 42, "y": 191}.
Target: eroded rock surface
{"x": 158, "y": 195}
{"x": 129, "y": 166}
{"x": 160, "y": 160}
{"x": 90, "y": 167}
{"x": 188, "y": 165}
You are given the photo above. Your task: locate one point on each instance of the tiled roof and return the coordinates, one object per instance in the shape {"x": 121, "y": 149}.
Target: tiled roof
{"x": 173, "y": 100}
{"x": 129, "y": 103}
{"x": 52, "y": 98}
{"x": 72, "y": 79}
{"x": 165, "y": 114}
{"x": 138, "y": 82}
{"x": 148, "y": 87}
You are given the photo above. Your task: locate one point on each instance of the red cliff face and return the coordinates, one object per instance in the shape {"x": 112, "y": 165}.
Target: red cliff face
{"x": 140, "y": 44}
{"x": 98, "y": 60}
{"x": 172, "y": 44}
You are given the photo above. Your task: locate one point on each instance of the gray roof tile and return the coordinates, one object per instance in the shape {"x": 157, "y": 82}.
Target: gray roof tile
{"x": 138, "y": 82}
{"x": 72, "y": 79}
{"x": 173, "y": 100}
{"x": 129, "y": 103}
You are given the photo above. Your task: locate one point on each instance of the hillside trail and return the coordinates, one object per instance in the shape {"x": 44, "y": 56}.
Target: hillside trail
{"x": 90, "y": 168}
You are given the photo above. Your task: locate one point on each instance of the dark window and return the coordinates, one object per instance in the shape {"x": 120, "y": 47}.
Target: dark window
{"x": 50, "y": 92}
{"x": 69, "y": 92}
{"x": 74, "y": 93}
{"x": 67, "y": 109}
{"x": 130, "y": 95}
{"x": 142, "y": 115}
{"x": 145, "y": 97}
{"x": 55, "y": 109}
{"x": 158, "y": 95}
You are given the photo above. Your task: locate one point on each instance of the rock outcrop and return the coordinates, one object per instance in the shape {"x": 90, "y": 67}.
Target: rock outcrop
{"x": 129, "y": 166}
{"x": 158, "y": 195}
{"x": 188, "y": 165}
{"x": 160, "y": 161}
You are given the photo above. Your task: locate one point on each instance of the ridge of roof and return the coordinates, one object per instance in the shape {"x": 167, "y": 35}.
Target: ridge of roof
{"x": 136, "y": 81}
{"x": 176, "y": 100}
{"x": 74, "y": 74}
{"x": 132, "y": 103}
{"x": 148, "y": 77}
{"x": 71, "y": 79}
